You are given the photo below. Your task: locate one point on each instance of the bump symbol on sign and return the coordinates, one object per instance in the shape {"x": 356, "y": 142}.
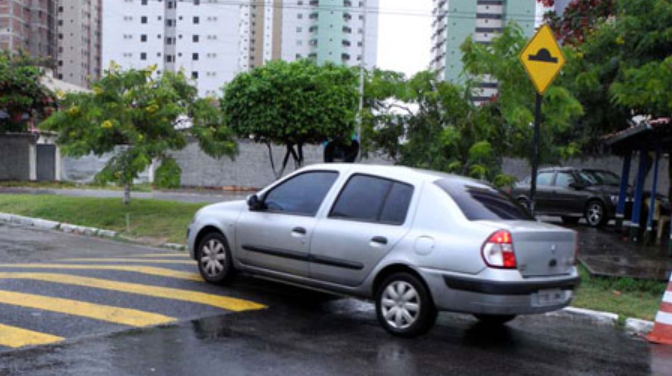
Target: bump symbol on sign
{"x": 544, "y": 56}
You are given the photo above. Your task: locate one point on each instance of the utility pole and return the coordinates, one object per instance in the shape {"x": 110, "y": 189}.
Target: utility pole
{"x": 362, "y": 69}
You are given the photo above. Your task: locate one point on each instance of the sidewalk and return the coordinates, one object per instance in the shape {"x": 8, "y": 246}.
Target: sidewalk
{"x": 606, "y": 253}
{"x": 190, "y": 196}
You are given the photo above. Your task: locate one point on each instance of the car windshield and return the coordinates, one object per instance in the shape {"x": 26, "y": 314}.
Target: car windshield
{"x": 599, "y": 177}
{"x": 482, "y": 202}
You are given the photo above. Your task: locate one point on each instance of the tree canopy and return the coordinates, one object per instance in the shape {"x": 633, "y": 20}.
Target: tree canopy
{"x": 22, "y": 96}
{"x": 140, "y": 118}
{"x": 426, "y": 122}
{"x": 292, "y": 104}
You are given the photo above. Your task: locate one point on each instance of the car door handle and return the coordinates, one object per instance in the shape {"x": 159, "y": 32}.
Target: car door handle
{"x": 299, "y": 230}
{"x": 379, "y": 240}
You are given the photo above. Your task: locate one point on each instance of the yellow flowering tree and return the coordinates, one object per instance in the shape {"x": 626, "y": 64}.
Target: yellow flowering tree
{"x": 138, "y": 117}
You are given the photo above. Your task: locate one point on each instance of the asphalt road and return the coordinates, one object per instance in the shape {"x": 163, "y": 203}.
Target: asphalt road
{"x": 73, "y": 305}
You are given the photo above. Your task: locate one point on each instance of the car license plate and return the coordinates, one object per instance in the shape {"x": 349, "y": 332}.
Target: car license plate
{"x": 550, "y": 297}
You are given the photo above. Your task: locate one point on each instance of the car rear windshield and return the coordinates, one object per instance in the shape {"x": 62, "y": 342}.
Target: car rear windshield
{"x": 482, "y": 202}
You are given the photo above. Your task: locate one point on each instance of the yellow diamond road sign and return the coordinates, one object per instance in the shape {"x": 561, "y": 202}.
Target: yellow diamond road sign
{"x": 542, "y": 59}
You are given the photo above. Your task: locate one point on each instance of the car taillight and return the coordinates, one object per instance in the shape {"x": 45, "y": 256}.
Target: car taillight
{"x": 498, "y": 252}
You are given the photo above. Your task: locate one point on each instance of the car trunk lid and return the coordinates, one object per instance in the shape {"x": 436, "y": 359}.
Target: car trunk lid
{"x": 541, "y": 249}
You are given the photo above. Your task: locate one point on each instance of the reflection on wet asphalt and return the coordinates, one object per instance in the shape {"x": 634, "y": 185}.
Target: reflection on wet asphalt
{"x": 318, "y": 335}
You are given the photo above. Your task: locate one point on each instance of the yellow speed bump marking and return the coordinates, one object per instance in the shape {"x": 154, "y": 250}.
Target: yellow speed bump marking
{"x": 224, "y": 302}
{"x": 14, "y": 337}
{"x": 130, "y": 260}
{"x": 116, "y": 315}
{"x": 149, "y": 270}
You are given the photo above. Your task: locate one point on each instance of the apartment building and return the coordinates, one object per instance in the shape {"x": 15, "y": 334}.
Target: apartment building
{"x": 455, "y": 20}
{"x": 79, "y": 27}
{"x": 339, "y": 31}
{"x": 28, "y": 25}
{"x": 200, "y": 37}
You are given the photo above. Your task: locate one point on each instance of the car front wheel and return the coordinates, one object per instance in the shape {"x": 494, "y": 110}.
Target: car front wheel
{"x": 214, "y": 259}
{"x": 404, "y": 306}
{"x": 595, "y": 214}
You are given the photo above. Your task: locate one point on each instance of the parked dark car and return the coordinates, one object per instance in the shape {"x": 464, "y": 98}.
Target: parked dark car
{"x": 573, "y": 193}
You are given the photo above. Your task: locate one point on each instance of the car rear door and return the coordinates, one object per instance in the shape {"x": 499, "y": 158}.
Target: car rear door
{"x": 278, "y": 237}
{"x": 369, "y": 217}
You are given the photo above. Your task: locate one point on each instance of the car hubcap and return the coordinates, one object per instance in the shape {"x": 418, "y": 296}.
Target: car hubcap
{"x": 594, "y": 214}
{"x": 213, "y": 258}
{"x": 400, "y": 304}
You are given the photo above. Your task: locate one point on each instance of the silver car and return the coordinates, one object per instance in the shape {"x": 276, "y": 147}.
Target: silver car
{"x": 416, "y": 242}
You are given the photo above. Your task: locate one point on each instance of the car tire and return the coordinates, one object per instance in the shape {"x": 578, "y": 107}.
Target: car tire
{"x": 404, "y": 306}
{"x": 595, "y": 214}
{"x": 214, "y": 259}
{"x": 495, "y": 320}
{"x": 570, "y": 220}
{"x": 524, "y": 203}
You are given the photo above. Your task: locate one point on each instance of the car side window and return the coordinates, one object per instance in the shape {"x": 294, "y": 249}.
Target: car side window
{"x": 544, "y": 178}
{"x": 302, "y": 194}
{"x": 372, "y": 199}
{"x": 564, "y": 179}
{"x": 397, "y": 203}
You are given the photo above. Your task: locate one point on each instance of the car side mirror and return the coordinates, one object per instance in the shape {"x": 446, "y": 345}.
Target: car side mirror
{"x": 254, "y": 203}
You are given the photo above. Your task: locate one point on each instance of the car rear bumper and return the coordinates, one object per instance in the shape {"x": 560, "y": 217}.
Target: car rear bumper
{"x": 461, "y": 293}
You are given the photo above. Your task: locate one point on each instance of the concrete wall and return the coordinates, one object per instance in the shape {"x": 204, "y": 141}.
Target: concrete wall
{"x": 251, "y": 168}
{"x": 15, "y": 156}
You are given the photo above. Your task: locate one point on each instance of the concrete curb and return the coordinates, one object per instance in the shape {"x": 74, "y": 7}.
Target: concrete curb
{"x": 637, "y": 327}
{"x": 598, "y": 317}
{"x": 73, "y": 229}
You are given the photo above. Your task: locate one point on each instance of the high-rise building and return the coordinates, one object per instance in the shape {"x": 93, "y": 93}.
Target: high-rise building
{"x": 79, "y": 41}
{"x": 200, "y": 37}
{"x": 455, "y": 20}
{"x": 28, "y": 25}
{"x": 323, "y": 30}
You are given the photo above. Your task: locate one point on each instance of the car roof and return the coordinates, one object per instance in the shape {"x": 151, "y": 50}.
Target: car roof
{"x": 402, "y": 173}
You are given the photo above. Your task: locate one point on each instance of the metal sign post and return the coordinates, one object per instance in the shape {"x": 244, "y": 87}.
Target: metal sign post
{"x": 543, "y": 60}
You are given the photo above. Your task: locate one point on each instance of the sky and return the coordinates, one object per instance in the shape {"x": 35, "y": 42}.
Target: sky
{"x": 404, "y": 35}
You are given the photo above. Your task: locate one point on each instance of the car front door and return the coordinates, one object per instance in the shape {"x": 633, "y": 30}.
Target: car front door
{"x": 566, "y": 199}
{"x": 277, "y": 237}
{"x": 367, "y": 220}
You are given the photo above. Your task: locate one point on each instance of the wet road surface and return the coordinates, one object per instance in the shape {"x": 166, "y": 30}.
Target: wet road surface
{"x": 220, "y": 330}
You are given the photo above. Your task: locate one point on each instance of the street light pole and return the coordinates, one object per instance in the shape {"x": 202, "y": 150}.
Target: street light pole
{"x": 362, "y": 69}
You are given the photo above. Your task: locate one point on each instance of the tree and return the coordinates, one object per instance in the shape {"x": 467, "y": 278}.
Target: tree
{"x": 579, "y": 19}
{"x": 628, "y": 62}
{"x": 513, "y": 107}
{"x": 22, "y": 96}
{"x": 425, "y": 122}
{"x": 292, "y": 104}
{"x": 140, "y": 118}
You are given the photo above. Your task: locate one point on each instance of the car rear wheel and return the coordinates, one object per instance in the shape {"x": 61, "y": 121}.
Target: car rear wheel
{"x": 595, "y": 214}
{"x": 494, "y": 319}
{"x": 214, "y": 259}
{"x": 404, "y": 306}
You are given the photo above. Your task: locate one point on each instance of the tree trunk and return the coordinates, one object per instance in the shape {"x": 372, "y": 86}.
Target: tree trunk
{"x": 127, "y": 194}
